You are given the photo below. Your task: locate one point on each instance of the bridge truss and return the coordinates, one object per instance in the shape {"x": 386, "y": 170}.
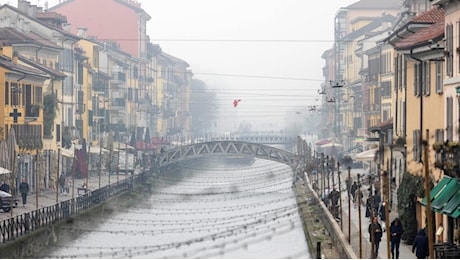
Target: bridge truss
{"x": 214, "y": 148}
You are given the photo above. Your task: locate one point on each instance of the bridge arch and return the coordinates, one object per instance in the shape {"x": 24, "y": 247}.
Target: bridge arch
{"x": 226, "y": 148}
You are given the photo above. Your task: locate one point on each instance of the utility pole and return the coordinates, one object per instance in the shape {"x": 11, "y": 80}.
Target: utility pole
{"x": 359, "y": 216}
{"x": 349, "y": 208}
{"x": 118, "y": 160}
{"x": 371, "y": 199}
{"x": 340, "y": 196}
{"x": 57, "y": 175}
{"x": 429, "y": 214}
{"x": 387, "y": 211}
{"x": 37, "y": 178}
{"x": 100, "y": 161}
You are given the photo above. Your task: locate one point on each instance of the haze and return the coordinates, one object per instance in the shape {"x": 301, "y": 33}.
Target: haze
{"x": 265, "y": 52}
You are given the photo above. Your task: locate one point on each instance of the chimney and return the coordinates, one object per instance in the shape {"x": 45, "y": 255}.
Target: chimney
{"x": 82, "y": 32}
{"x": 66, "y": 27}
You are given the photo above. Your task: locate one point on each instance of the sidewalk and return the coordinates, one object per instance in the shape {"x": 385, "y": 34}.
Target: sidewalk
{"x": 48, "y": 197}
{"x": 405, "y": 251}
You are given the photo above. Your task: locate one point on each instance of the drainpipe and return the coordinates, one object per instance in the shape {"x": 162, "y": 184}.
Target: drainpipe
{"x": 421, "y": 98}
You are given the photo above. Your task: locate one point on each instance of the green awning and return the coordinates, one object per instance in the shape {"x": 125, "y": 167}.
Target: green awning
{"x": 444, "y": 195}
{"x": 437, "y": 188}
{"x": 452, "y": 208}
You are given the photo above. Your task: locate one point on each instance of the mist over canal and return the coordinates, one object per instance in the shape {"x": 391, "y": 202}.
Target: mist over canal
{"x": 207, "y": 209}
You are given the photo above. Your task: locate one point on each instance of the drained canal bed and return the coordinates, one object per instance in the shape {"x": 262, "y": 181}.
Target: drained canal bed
{"x": 206, "y": 209}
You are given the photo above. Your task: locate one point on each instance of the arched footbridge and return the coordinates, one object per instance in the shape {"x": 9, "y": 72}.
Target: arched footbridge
{"x": 213, "y": 148}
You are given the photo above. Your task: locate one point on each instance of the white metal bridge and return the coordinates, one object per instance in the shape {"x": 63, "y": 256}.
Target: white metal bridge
{"x": 258, "y": 139}
{"x": 212, "y": 148}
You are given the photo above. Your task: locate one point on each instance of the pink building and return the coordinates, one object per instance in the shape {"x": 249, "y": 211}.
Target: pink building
{"x": 121, "y": 21}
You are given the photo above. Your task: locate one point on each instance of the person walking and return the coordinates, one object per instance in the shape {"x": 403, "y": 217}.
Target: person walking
{"x": 420, "y": 245}
{"x": 24, "y": 190}
{"x": 396, "y": 231}
{"x": 375, "y": 230}
{"x": 353, "y": 189}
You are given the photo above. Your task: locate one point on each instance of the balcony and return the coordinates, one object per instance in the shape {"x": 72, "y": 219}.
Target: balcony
{"x": 32, "y": 111}
{"x": 118, "y": 78}
{"x": 80, "y": 109}
{"x": 117, "y": 104}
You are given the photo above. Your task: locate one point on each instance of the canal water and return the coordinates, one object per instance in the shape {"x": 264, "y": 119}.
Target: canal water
{"x": 207, "y": 209}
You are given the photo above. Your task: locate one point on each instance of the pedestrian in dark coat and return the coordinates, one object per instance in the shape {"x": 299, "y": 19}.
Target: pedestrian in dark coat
{"x": 396, "y": 231}
{"x": 376, "y": 228}
{"x": 382, "y": 212}
{"x": 420, "y": 245}
{"x": 353, "y": 188}
{"x": 368, "y": 207}
{"x": 24, "y": 190}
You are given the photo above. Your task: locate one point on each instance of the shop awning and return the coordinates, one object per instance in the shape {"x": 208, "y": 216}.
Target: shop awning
{"x": 437, "y": 188}
{"x": 323, "y": 142}
{"x": 452, "y": 207}
{"x": 366, "y": 156}
{"x": 445, "y": 197}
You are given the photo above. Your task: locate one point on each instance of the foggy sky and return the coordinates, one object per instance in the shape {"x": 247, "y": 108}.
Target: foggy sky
{"x": 265, "y": 52}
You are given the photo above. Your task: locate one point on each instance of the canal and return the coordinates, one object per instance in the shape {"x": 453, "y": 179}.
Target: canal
{"x": 208, "y": 208}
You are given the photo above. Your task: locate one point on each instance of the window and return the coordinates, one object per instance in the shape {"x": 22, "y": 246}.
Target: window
{"x": 80, "y": 73}
{"x": 449, "y": 118}
{"x": 450, "y": 50}
{"x": 15, "y": 94}
{"x": 135, "y": 72}
{"x": 439, "y": 77}
{"x": 426, "y": 78}
{"x": 416, "y": 147}
{"x": 38, "y": 95}
{"x": 7, "y": 93}
{"x": 438, "y": 138}
{"x": 416, "y": 79}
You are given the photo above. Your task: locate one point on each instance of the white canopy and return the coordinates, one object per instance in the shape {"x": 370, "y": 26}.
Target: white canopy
{"x": 122, "y": 146}
{"x": 329, "y": 145}
{"x": 4, "y": 171}
{"x": 67, "y": 152}
{"x": 366, "y": 156}
{"x": 97, "y": 150}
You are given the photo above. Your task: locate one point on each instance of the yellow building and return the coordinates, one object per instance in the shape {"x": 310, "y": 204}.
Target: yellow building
{"x": 419, "y": 97}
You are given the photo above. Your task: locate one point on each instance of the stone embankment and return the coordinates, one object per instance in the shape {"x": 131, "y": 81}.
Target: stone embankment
{"x": 321, "y": 230}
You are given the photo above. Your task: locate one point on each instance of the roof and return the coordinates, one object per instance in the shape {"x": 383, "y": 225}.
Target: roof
{"x": 370, "y": 27}
{"x": 375, "y": 4}
{"x": 433, "y": 15}
{"x": 132, "y": 4}
{"x": 10, "y": 36}
{"x": 41, "y": 22}
{"x": 42, "y": 67}
{"x": 382, "y": 126}
{"x": 415, "y": 24}
{"x": 6, "y": 62}
{"x": 422, "y": 37}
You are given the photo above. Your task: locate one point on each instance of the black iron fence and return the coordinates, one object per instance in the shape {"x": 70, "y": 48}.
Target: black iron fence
{"x": 17, "y": 226}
